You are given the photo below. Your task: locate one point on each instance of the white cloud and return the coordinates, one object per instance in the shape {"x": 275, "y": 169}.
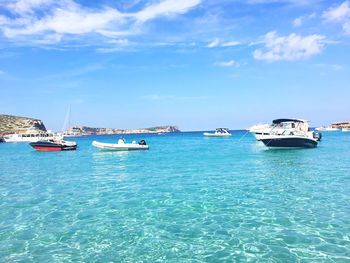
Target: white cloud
{"x": 339, "y": 14}
{"x": 214, "y": 43}
{"x": 27, "y": 6}
{"x": 66, "y": 21}
{"x": 298, "y": 21}
{"x": 48, "y": 39}
{"x": 166, "y": 8}
{"x": 230, "y": 63}
{"x": 290, "y": 48}
{"x": 120, "y": 42}
{"x": 291, "y": 2}
{"x": 346, "y": 27}
{"x": 231, "y": 44}
{"x": 4, "y": 20}
{"x": 49, "y": 21}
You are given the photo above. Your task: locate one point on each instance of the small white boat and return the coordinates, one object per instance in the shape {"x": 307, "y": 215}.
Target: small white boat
{"x": 345, "y": 129}
{"x": 326, "y": 128}
{"x": 121, "y": 146}
{"x": 220, "y": 132}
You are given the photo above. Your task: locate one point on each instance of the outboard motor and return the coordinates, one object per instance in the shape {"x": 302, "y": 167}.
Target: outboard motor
{"x": 142, "y": 142}
{"x": 317, "y": 135}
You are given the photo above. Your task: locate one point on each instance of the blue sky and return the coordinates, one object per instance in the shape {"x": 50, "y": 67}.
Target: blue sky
{"x": 193, "y": 63}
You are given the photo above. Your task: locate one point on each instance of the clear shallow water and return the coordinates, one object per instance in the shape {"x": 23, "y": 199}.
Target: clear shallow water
{"x": 187, "y": 199}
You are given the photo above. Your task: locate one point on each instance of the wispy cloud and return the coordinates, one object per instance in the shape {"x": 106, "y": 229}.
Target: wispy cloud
{"x": 289, "y": 48}
{"x": 346, "y": 27}
{"x": 75, "y": 72}
{"x": 214, "y": 43}
{"x": 48, "y": 22}
{"x": 231, "y": 44}
{"x": 165, "y": 8}
{"x": 339, "y": 14}
{"x": 291, "y": 2}
{"x": 334, "y": 67}
{"x": 217, "y": 42}
{"x": 299, "y": 21}
{"x": 157, "y": 97}
{"x": 227, "y": 64}
{"x": 28, "y": 6}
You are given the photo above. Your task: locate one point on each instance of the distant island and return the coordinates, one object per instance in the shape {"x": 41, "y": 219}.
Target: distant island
{"x": 89, "y": 130}
{"x": 16, "y": 124}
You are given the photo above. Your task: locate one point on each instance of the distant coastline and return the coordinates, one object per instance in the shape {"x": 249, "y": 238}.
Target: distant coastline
{"x": 10, "y": 124}
{"x": 84, "y": 130}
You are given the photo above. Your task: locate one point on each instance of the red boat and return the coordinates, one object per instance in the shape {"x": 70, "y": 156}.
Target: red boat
{"x": 54, "y": 145}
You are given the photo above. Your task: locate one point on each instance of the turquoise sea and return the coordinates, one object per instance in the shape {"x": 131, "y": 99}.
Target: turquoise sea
{"x": 187, "y": 199}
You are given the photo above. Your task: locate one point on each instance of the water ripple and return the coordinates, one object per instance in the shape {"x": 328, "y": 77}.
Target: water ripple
{"x": 187, "y": 199}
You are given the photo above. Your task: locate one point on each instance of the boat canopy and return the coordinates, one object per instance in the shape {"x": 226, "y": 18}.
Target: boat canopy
{"x": 277, "y": 121}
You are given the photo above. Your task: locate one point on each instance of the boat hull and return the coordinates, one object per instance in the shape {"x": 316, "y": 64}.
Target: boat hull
{"x": 52, "y": 147}
{"x": 119, "y": 146}
{"x": 216, "y": 135}
{"x": 291, "y": 142}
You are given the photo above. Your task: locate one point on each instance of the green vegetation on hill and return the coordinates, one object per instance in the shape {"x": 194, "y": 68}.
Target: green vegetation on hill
{"x": 17, "y": 124}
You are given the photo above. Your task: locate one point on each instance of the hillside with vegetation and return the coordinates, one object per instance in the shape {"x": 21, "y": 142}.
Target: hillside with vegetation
{"x": 17, "y": 124}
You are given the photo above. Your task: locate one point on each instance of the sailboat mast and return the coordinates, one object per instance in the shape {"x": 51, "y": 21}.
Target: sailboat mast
{"x": 69, "y": 117}
{"x": 67, "y": 121}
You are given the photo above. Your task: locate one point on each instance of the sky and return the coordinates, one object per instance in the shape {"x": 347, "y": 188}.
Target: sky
{"x": 197, "y": 64}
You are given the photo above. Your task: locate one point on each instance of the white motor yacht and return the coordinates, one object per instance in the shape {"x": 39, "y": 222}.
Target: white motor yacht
{"x": 219, "y": 132}
{"x": 259, "y": 129}
{"x": 32, "y": 135}
{"x": 288, "y": 133}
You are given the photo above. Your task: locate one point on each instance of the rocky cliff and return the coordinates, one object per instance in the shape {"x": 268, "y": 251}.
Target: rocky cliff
{"x": 16, "y": 124}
